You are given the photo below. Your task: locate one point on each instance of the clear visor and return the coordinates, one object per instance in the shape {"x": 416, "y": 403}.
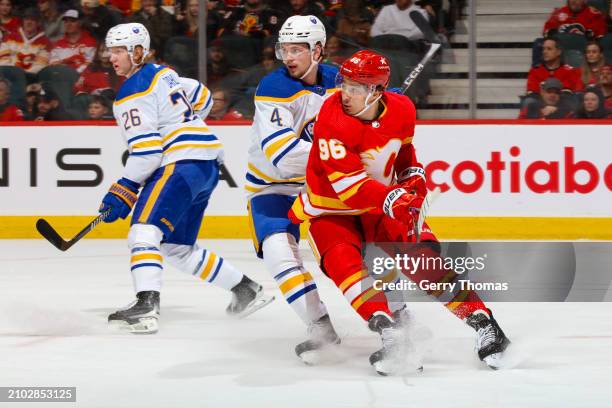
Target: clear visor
{"x": 285, "y": 51}
{"x": 352, "y": 88}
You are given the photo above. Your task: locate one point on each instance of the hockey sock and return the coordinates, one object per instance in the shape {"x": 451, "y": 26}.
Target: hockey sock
{"x": 283, "y": 261}
{"x": 146, "y": 260}
{"x": 344, "y": 265}
{"x": 203, "y": 264}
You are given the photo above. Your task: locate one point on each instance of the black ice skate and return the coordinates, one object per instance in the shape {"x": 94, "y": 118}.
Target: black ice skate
{"x": 247, "y": 297}
{"x": 321, "y": 334}
{"x": 397, "y": 354}
{"x": 140, "y": 316}
{"x": 491, "y": 340}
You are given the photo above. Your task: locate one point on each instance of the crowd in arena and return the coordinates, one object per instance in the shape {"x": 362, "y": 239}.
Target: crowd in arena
{"x": 54, "y": 64}
{"x": 572, "y": 72}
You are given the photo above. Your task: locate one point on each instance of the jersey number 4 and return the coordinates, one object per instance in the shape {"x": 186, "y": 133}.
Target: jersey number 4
{"x": 276, "y": 117}
{"x": 332, "y": 148}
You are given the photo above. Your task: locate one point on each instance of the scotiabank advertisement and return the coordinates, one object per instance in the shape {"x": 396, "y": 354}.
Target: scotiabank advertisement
{"x": 483, "y": 170}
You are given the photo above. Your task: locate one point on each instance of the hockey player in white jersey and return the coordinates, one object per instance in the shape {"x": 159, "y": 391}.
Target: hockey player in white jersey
{"x": 286, "y": 104}
{"x": 174, "y": 163}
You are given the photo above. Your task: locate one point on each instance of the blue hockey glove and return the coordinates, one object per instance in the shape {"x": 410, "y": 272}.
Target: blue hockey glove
{"x": 395, "y": 90}
{"x": 120, "y": 199}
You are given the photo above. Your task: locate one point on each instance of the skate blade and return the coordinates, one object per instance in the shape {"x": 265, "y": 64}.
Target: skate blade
{"x": 327, "y": 354}
{"x": 260, "y": 301}
{"x": 494, "y": 361}
{"x": 393, "y": 368}
{"x": 147, "y": 325}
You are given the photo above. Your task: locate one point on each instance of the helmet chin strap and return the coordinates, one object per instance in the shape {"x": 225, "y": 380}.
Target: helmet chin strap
{"x": 313, "y": 64}
{"x": 368, "y": 105}
{"x": 135, "y": 66}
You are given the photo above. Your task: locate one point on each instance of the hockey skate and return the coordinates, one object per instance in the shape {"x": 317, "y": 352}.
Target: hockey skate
{"x": 397, "y": 355}
{"x": 491, "y": 340}
{"x": 247, "y": 297}
{"x": 321, "y": 334}
{"x": 140, "y": 316}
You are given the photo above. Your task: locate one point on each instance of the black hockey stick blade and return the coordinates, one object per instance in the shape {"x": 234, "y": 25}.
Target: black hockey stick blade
{"x": 47, "y": 231}
{"x": 50, "y": 234}
{"x": 423, "y": 25}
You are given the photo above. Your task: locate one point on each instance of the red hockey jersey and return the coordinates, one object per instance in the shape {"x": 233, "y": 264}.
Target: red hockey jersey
{"x": 570, "y": 77}
{"x": 76, "y": 55}
{"x": 30, "y": 54}
{"x": 352, "y": 163}
{"x": 589, "y": 21}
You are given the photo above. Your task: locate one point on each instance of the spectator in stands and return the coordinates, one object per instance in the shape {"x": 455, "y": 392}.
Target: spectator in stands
{"x": 52, "y": 21}
{"x": 550, "y": 105}
{"x": 50, "y": 107}
{"x": 333, "y": 51}
{"x": 99, "y": 109}
{"x": 288, "y": 8}
{"x": 30, "y": 111}
{"x": 28, "y": 48}
{"x": 576, "y": 18}
{"x": 158, "y": 21}
{"x": 253, "y": 19}
{"x": 395, "y": 19}
{"x": 605, "y": 84}
{"x": 552, "y": 67}
{"x": 186, "y": 20}
{"x": 99, "y": 75}
{"x": 221, "y": 107}
{"x": 97, "y": 19}
{"x": 592, "y": 105}
{"x": 77, "y": 48}
{"x": 8, "y": 22}
{"x": 594, "y": 60}
{"x": 356, "y": 22}
{"x": 8, "y": 111}
{"x": 218, "y": 67}
{"x": 215, "y": 18}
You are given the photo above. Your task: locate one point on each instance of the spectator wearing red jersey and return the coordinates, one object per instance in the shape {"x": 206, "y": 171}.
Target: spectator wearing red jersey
{"x": 8, "y": 22}
{"x": 594, "y": 60}
{"x": 77, "y": 48}
{"x": 99, "y": 75}
{"x": 52, "y": 22}
{"x": 28, "y": 48}
{"x": 221, "y": 107}
{"x": 549, "y": 105}
{"x": 8, "y": 111}
{"x": 552, "y": 67}
{"x": 576, "y": 18}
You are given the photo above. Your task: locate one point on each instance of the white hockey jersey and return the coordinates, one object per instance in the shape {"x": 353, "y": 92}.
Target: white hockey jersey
{"x": 161, "y": 116}
{"x": 281, "y": 135}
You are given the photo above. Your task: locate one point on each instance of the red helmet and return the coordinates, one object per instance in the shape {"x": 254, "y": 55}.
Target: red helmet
{"x": 367, "y": 67}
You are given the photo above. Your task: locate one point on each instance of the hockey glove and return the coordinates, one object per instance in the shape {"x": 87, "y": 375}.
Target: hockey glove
{"x": 395, "y": 90}
{"x": 402, "y": 206}
{"x": 120, "y": 199}
{"x": 412, "y": 180}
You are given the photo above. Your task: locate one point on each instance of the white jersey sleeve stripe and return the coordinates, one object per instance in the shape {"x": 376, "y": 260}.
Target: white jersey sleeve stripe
{"x": 285, "y": 151}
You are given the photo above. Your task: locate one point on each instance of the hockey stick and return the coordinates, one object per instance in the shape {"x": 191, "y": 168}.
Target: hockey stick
{"x": 429, "y": 199}
{"x": 50, "y": 234}
{"x": 430, "y": 36}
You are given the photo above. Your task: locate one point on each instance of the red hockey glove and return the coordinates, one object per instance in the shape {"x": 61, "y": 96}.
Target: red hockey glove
{"x": 412, "y": 180}
{"x": 402, "y": 206}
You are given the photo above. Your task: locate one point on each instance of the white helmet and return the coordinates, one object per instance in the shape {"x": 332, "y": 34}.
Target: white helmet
{"x": 129, "y": 36}
{"x": 302, "y": 29}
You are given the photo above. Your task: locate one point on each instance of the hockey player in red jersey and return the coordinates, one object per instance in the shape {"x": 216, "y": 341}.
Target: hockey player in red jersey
{"x": 364, "y": 183}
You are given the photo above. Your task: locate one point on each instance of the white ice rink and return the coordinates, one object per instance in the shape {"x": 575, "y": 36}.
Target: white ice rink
{"x": 53, "y": 332}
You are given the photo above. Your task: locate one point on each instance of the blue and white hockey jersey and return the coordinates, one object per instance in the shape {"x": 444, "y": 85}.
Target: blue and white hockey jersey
{"x": 161, "y": 117}
{"x": 281, "y": 135}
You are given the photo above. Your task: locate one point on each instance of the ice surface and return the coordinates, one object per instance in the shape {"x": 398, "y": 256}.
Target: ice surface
{"x": 53, "y": 332}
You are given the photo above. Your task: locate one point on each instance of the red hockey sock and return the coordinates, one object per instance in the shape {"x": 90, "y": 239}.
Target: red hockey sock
{"x": 344, "y": 265}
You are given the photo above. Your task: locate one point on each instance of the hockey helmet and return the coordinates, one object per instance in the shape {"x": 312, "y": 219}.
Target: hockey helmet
{"x": 301, "y": 29}
{"x": 129, "y": 36}
{"x": 366, "y": 67}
